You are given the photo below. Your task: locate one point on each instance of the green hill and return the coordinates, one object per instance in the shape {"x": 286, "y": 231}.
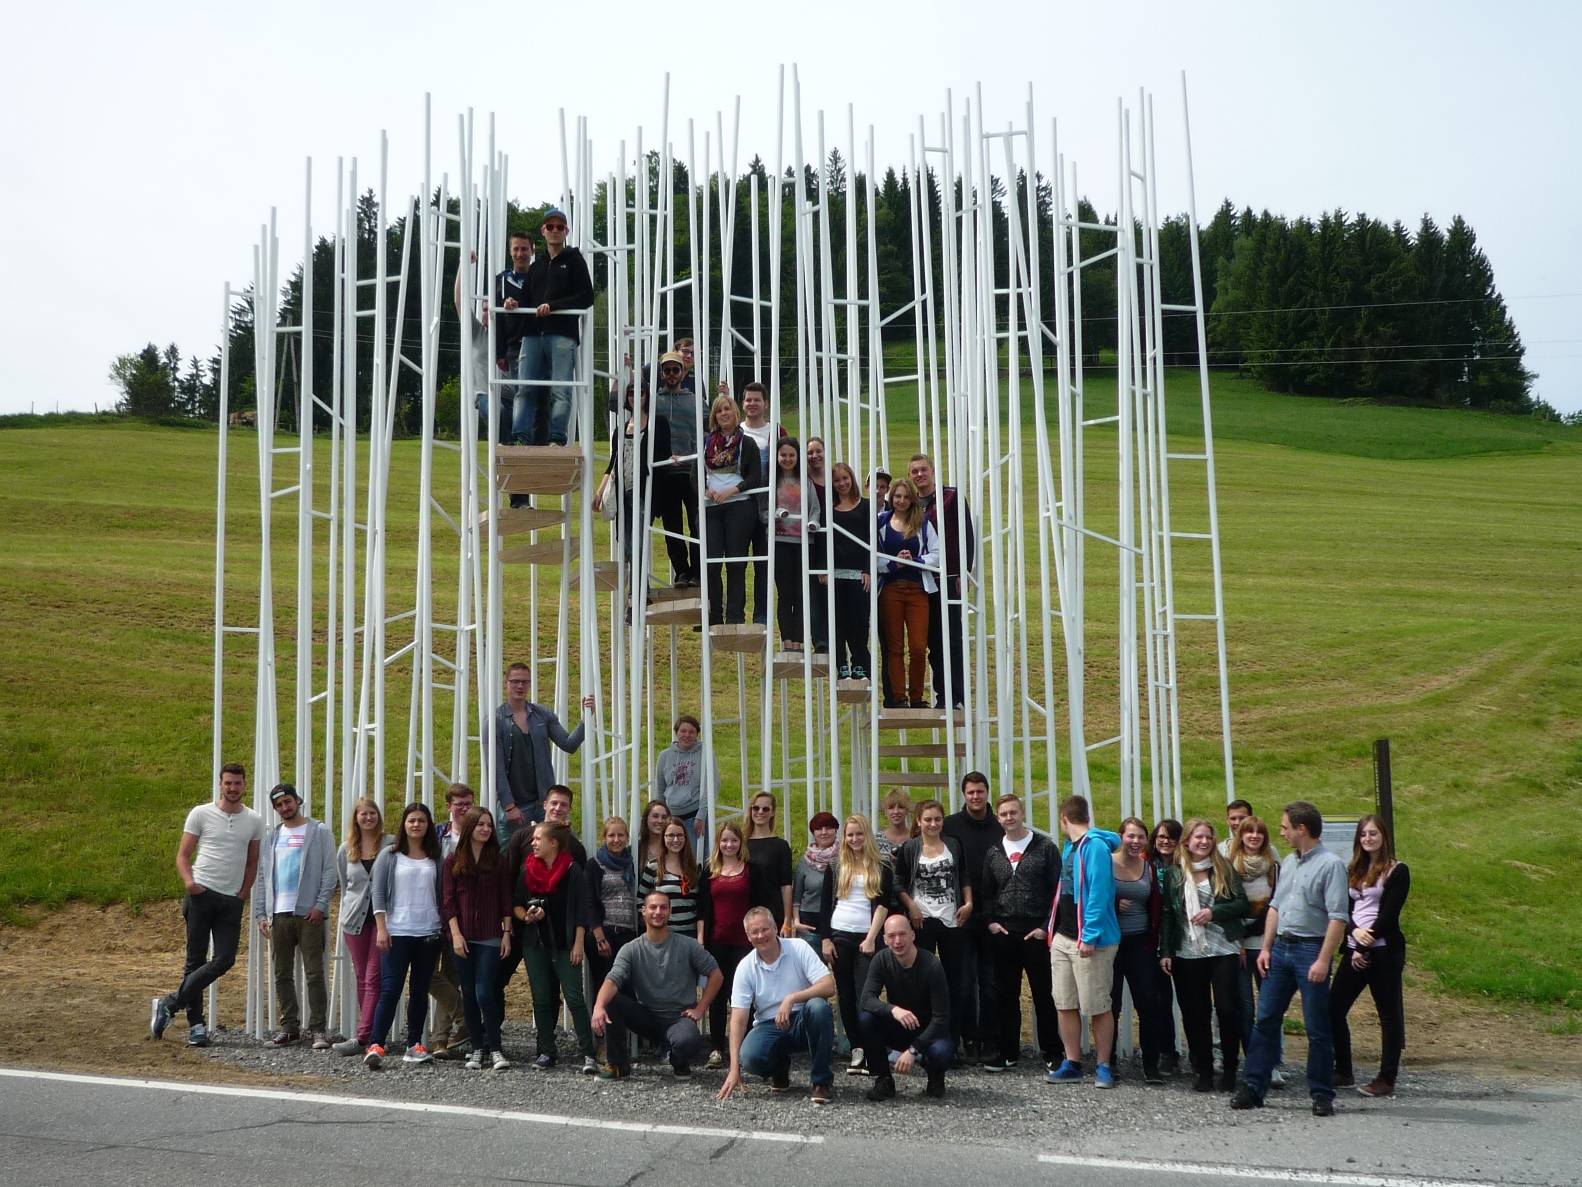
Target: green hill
{"x": 1394, "y": 572}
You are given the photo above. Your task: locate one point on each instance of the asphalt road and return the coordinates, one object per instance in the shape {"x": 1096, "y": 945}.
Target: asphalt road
{"x": 63, "y": 1129}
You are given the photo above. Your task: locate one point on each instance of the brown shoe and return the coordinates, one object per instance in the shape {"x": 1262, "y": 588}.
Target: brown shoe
{"x": 823, "y": 1094}
{"x": 1377, "y": 1087}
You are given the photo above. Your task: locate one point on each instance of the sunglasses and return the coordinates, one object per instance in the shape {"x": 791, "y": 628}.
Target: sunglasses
{"x": 554, "y": 226}
{"x": 670, "y": 367}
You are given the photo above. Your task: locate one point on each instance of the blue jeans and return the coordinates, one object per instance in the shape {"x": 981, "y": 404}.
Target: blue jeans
{"x": 884, "y": 1034}
{"x": 414, "y": 955}
{"x": 767, "y": 1049}
{"x": 1288, "y": 965}
{"x": 1252, "y": 979}
{"x": 481, "y": 1000}
{"x": 535, "y": 419}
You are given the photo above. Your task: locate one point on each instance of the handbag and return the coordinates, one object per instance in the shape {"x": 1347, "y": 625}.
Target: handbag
{"x": 605, "y": 496}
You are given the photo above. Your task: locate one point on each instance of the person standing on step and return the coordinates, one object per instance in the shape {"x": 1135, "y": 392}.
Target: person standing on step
{"x": 652, "y": 990}
{"x": 628, "y": 479}
{"x": 978, "y": 831}
{"x": 676, "y": 477}
{"x": 796, "y": 508}
{"x": 354, "y": 862}
{"x": 960, "y": 547}
{"x": 559, "y": 288}
{"x": 1085, "y": 934}
{"x": 851, "y": 520}
{"x": 1020, "y": 875}
{"x": 217, "y": 861}
{"x": 915, "y": 1020}
{"x": 1307, "y": 919}
{"x": 818, "y": 546}
{"x": 678, "y": 778}
{"x": 406, "y": 892}
{"x": 523, "y": 767}
{"x": 755, "y": 423}
{"x": 1205, "y": 914}
{"x": 1375, "y": 953}
{"x": 908, "y": 550}
{"x": 731, "y": 470}
{"x": 510, "y": 298}
{"x": 291, "y": 901}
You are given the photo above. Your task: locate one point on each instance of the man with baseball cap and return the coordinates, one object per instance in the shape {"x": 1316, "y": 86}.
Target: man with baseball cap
{"x": 290, "y": 901}
{"x": 558, "y": 288}
{"x": 676, "y": 479}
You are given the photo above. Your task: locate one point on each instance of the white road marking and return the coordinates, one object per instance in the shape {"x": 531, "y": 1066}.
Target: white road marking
{"x": 410, "y": 1106}
{"x": 1278, "y": 1175}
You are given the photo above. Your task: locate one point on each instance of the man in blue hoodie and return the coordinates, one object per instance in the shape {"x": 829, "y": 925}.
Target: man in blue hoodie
{"x": 1084, "y": 932}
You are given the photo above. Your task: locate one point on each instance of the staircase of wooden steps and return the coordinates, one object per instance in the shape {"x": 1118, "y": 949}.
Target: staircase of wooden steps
{"x": 538, "y": 469}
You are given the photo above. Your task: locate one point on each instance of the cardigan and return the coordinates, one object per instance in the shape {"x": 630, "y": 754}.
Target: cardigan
{"x": 384, "y": 882}
{"x": 1025, "y": 893}
{"x": 1387, "y": 926}
{"x": 1230, "y": 911}
{"x": 356, "y": 889}
{"x": 909, "y": 854}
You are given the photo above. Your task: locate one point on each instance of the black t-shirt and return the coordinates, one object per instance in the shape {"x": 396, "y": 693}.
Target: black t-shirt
{"x": 770, "y": 859}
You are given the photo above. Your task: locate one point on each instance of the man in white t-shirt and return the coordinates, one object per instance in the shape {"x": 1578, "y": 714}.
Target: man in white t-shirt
{"x": 217, "y": 860}
{"x": 780, "y": 1002}
{"x": 290, "y": 904}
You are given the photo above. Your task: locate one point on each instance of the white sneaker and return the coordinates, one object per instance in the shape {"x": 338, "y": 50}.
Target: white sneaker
{"x": 1276, "y": 1079}
{"x": 501, "y": 1063}
{"x": 857, "y": 1066}
{"x": 474, "y": 1062}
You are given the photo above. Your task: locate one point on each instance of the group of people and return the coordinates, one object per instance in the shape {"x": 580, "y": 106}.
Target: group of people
{"x": 922, "y": 932}
{"x": 762, "y": 489}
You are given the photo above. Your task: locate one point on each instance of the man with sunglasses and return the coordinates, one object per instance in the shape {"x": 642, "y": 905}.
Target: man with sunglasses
{"x": 676, "y": 482}
{"x": 558, "y": 287}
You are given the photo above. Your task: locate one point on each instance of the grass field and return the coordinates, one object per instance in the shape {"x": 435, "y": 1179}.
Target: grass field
{"x": 1389, "y": 572}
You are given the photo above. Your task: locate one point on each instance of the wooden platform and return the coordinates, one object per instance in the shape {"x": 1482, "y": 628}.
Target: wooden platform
{"x": 515, "y": 520}
{"x": 919, "y": 719}
{"x": 853, "y": 692}
{"x": 747, "y": 638}
{"x": 919, "y": 749}
{"x": 789, "y": 665}
{"x": 676, "y": 611}
{"x": 914, "y": 779}
{"x": 606, "y": 576}
{"x": 671, "y": 593}
{"x": 545, "y": 552}
{"x": 538, "y": 469}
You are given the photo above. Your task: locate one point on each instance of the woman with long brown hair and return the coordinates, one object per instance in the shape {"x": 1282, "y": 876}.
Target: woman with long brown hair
{"x": 651, "y": 833}
{"x": 851, "y": 521}
{"x": 365, "y": 838}
{"x": 730, "y": 898}
{"x": 857, "y": 897}
{"x": 406, "y": 913}
{"x": 1139, "y": 905}
{"x": 550, "y": 906}
{"x": 1205, "y": 912}
{"x": 1374, "y": 955}
{"x": 675, "y": 873}
{"x": 1251, "y": 855}
{"x": 476, "y": 907}
{"x": 905, "y": 541}
{"x": 731, "y": 471}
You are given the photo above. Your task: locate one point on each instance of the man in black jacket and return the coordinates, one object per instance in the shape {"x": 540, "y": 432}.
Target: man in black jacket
{"x": 978, "y": 831}
{"x": 558, "y": 288}
{"x": 1019, "y": 880}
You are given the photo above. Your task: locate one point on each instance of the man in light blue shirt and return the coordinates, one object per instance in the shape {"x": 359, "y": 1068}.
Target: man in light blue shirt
{"x": 1305, "y": 924}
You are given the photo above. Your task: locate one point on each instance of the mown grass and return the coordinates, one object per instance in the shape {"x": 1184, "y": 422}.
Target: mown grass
{"x": 1397, "y": 572}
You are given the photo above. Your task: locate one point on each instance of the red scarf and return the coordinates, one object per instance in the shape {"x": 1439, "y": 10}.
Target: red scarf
{"x": 542, "y": 879}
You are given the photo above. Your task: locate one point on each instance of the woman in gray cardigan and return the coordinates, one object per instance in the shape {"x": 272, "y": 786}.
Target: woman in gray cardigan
{"x": 354, "y": 862}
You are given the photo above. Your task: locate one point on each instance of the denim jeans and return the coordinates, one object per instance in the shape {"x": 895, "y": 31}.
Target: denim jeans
{"x": 1288, "y": 966}
{"x": 767, "y": 1049}
{"x": 1251, "y": 981}
{"x": 542, "y": 415}
{"x": 481, "y": 1002}
{"x": 410, "y": 959}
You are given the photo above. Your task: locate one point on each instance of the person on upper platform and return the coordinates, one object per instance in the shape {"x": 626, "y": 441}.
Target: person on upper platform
{"x": 558, "y": 287}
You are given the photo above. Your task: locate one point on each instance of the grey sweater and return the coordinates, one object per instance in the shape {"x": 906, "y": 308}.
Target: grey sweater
{"x": 678, "y": 779}
{"x": 356, "y": 889}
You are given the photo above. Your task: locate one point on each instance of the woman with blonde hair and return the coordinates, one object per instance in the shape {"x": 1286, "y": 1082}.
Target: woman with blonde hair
{"x": 1374, "y": 955}
{"x": 857, "y": 899}
{"x": 354, "y": 862}
{"x": 731, "y": 896}
{"x": 899, "y": 827}
{"x": 612, "y": 898}
{"x": 732, "y": 470}
{"x": 905, "y": 541}
{"x": 1251, "y": 855}
{"x": 1205, "y": 913}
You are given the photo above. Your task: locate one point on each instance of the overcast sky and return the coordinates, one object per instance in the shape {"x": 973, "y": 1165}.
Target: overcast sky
{"x": 146, "y": 142}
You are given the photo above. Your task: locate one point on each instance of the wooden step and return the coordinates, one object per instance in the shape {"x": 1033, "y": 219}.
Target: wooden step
{"x": 914, "y": 779}
{"x": 919, "y": 719}
{"x": 740, "y": 637}
{"x": 919, "y": 749}
{"x": 672, "y": 593}
{"x": 514, "y": 520}
{"x": 606, "y": 576}
{"x": 676, "y": 612}
{"x": 543, "y": 552}
{"x": 538, "y": 469}
{"x": 789, "y": 666}
{"x": 853, "y": 692}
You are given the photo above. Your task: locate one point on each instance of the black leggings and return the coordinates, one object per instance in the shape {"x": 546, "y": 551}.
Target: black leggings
{"x": 953, "y": 946}
{"x": 851, "y": 970}
{"x": 1383, "y": 979}
{"x": 790, "y": 591}
{"x": 1137, "y": 965}
{"x": 730, "y": 531}
{"x": 1197, "y": 980}
{"x": 727, "y": 956}
{"x": 851, "y": 625}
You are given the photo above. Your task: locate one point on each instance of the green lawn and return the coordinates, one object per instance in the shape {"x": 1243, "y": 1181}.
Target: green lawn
{"x": 1395, "y": 572}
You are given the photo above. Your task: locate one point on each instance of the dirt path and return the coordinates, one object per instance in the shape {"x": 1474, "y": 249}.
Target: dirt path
{"x": 75, "y": 988}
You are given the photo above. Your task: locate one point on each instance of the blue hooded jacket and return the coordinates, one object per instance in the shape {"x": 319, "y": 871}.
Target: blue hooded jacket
{"x": 1097, "y": 922}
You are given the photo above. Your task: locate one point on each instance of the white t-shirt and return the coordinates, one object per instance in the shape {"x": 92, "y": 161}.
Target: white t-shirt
{"x": 934, "y": 888}
{"x": 762, "y": 987}
{"x": 1015, "y": 849}
{"x": 760, "y": 438}
{"x": 854, "y": 912}
{"x": 223, "y": 838}
{"x": 289, "y": 844}
{"x": 414, "y": 906}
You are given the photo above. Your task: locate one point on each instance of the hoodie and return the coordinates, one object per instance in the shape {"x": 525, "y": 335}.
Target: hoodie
{"x": 1087, "y": 891}
{"x": 678, "y": 779}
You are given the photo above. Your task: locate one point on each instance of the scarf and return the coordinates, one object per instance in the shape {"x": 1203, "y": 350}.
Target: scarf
{"x": 621, "y": 865}
{"x": 1253, "y": 865}
{"x": 543, "y": 880}
{"x": 819, "y": 858}
{"x": 1189, "y": 903}
{"x": 721, "y": 452}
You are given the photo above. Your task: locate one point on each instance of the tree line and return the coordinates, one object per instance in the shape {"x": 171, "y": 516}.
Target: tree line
{"x": 1343, "y": 305}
